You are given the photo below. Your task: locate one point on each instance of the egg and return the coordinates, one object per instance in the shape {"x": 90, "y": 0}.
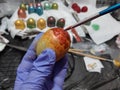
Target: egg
{"x": 31, "y": 23}
{"x": 19, "y": 24}
{"x": 41, "y": 23}
{"x": 55, "y": 38}
{"x": 22, "y": 13}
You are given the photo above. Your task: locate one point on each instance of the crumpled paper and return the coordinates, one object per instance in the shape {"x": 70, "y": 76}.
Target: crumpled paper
{"x": 93, "y": 65}
{"x": 3, "y": 26}
{"x": 8, "y": 7}
{"x": 2, "y": 46}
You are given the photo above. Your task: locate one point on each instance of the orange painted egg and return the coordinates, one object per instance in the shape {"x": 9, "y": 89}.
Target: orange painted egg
{"x": 55, "y": 38}
{"x": 22, "y": 13}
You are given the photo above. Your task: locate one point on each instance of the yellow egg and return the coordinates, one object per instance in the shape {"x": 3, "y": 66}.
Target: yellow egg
{"x": 19, "y": 24}
{"x": 41, "y": 23}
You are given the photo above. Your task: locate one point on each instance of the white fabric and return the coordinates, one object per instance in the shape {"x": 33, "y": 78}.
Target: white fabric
{"x": 3, "y": 26}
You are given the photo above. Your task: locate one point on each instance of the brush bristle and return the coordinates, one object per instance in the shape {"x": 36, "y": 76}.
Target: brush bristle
{"x": 116, "y": 63}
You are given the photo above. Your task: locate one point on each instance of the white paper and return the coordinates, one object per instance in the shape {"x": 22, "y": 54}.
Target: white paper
{"x": 93, "y": 65}
{"x": 109, "y": 27}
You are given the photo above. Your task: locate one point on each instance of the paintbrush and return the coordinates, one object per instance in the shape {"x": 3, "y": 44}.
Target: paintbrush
{"x": 12, "y": 46}
{"x": 115, "y": 62}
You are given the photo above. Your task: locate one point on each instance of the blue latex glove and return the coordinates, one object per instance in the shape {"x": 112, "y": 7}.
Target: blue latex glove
{"x": 42, "y": 72}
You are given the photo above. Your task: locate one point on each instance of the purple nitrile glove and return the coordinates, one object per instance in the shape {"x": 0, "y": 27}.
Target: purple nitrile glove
{"x": 42, "y": 72}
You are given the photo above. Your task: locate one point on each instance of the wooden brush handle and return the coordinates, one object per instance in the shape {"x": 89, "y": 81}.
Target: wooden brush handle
{"x": 78, "y": 50}
{"x": 87, "y": 55}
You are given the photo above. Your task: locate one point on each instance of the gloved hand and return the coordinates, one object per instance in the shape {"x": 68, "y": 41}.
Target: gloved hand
{"x": 42, "y": 72}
